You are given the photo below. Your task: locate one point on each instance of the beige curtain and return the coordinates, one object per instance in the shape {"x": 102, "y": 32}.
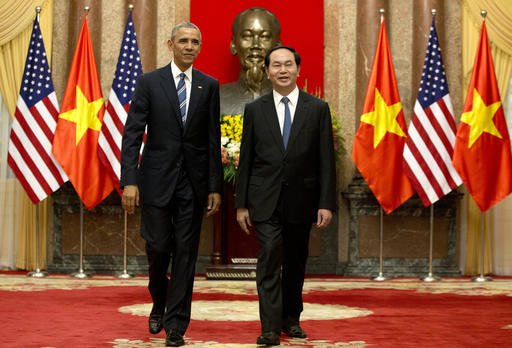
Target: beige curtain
{"x": 18, "y": 225}
{"x": 16, "y": 18}
{"x": 498, "y": 22}
{"x": 9, "y": 197}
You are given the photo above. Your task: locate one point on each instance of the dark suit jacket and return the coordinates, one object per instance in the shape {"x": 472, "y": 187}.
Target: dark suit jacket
{"x": 304, "y": 173}
{"x": 169, "y": 144}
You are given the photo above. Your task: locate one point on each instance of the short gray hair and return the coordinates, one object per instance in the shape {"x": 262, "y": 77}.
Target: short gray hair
{"x": 184, "y": 25}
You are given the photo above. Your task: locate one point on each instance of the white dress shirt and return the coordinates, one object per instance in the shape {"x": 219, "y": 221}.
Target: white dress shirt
{"x": 292, "y": 105}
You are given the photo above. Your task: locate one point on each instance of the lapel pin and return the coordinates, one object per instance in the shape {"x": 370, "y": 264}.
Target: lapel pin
{"x": 199, "y": 86}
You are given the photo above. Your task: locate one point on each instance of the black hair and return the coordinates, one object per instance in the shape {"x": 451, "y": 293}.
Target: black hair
{"x": 291, "y": 49}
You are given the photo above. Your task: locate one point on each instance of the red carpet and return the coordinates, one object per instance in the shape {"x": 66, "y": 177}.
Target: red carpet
{"x": 60, "y": 311}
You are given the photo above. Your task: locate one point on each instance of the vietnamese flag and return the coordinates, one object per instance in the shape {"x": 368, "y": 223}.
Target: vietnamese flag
{"x": 76, "y": 138}
{"x": 379, "y": 141}
{"x": 482, "y": 153}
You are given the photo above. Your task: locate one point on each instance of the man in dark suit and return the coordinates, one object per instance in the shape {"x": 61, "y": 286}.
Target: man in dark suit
{"x": 286, "y": 181}
{"x": 180, "y": 174}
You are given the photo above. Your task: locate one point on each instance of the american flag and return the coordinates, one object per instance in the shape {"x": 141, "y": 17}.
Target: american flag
{"x": 30, "y": 143}
{"x": 127, "y": 70}
{"x": 429, "y": 147}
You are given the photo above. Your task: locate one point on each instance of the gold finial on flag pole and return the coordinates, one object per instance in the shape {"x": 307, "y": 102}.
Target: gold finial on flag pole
{"x": 38, "y": 9}
{"x": 434, "y": 12}
{"x": 86, "y": 9}
{"x": 381, "y": 11}
{"x": 130, "y": 7}
{"x": 483, "y": 13}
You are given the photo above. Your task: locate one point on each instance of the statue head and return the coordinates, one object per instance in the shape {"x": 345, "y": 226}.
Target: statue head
{"x": 254, "y": 32}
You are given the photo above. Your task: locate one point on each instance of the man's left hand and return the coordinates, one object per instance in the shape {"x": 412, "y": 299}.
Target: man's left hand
{"x": 324, "y": 217}
{"x": 214, "y": 200}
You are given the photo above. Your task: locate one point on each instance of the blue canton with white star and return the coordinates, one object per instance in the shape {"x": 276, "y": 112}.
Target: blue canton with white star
{"x": 433, "y": 85}
{"x": 128, "y": 67}
{"x": 37, "y": 81}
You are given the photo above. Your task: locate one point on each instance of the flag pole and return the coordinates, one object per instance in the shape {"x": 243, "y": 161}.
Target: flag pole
{"x": 380, "y": 277}
{"x": 37, "y": 273}
{"x": 430, "y": 277}
{"x": 81, "y": 274}
{"x": 124, "y": 274}
{"x": 481, "y": 277}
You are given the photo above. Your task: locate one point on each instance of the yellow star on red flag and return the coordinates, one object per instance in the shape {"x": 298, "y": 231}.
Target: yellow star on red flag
{"x": 85, "y": 115}
{"x": 75, "y": 143}
{"x": 482, "y": 152}
{"x": 383, "y": 118}
{"x": 480, "y": 118}
{"x": 378, "y": 145}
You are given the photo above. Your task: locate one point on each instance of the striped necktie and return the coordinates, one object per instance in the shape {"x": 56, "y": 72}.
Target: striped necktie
{"x": 182, "y": 98}
{"x": 287, "y": 125}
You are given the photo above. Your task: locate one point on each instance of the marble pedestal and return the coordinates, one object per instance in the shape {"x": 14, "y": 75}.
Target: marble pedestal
{"x": 103, "y": 237}
{"x": 406, "y": 235}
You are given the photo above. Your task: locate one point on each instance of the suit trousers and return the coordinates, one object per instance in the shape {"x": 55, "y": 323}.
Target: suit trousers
{"x": 174, "y": 231}
{"x": 280, "y": 271}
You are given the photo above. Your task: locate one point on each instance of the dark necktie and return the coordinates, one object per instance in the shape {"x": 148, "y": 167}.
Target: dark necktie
{"x": 287, "y": 125}
{"x": 182, "y": 98}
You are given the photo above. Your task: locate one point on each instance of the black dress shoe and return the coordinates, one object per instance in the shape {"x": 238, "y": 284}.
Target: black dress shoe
{"x": 155, "y": 323}
{"x": 174, "y": 339}
{"x": 268, "y": 339}
{"x": 294, "y": 331}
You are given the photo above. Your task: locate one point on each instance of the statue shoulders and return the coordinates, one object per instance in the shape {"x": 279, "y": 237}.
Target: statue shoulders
{"x": 233, "y": 89}
{"x": 233, "y": 97}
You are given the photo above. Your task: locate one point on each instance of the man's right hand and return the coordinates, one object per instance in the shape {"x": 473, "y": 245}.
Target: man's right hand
{"x": 242, "y": 216}
{"x": 130, "y": 198}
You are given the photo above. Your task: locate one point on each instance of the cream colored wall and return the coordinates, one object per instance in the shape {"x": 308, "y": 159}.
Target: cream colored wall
{"x": 339, "y": 77}
{"x": 106, "y": 22}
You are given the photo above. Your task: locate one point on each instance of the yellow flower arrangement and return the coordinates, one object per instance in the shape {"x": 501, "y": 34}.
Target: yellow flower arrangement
{"x": 231, "y": 136}
{"x": 338, "y": 140}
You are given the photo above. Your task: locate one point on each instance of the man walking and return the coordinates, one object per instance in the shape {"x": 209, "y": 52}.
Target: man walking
{"x": 286, "y": 181}
{"x": 179, "y": 176}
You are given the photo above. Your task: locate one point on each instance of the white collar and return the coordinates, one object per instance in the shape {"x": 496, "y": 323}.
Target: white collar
{"x": 293, "y": 96}
{"x": 177, "y": 71}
